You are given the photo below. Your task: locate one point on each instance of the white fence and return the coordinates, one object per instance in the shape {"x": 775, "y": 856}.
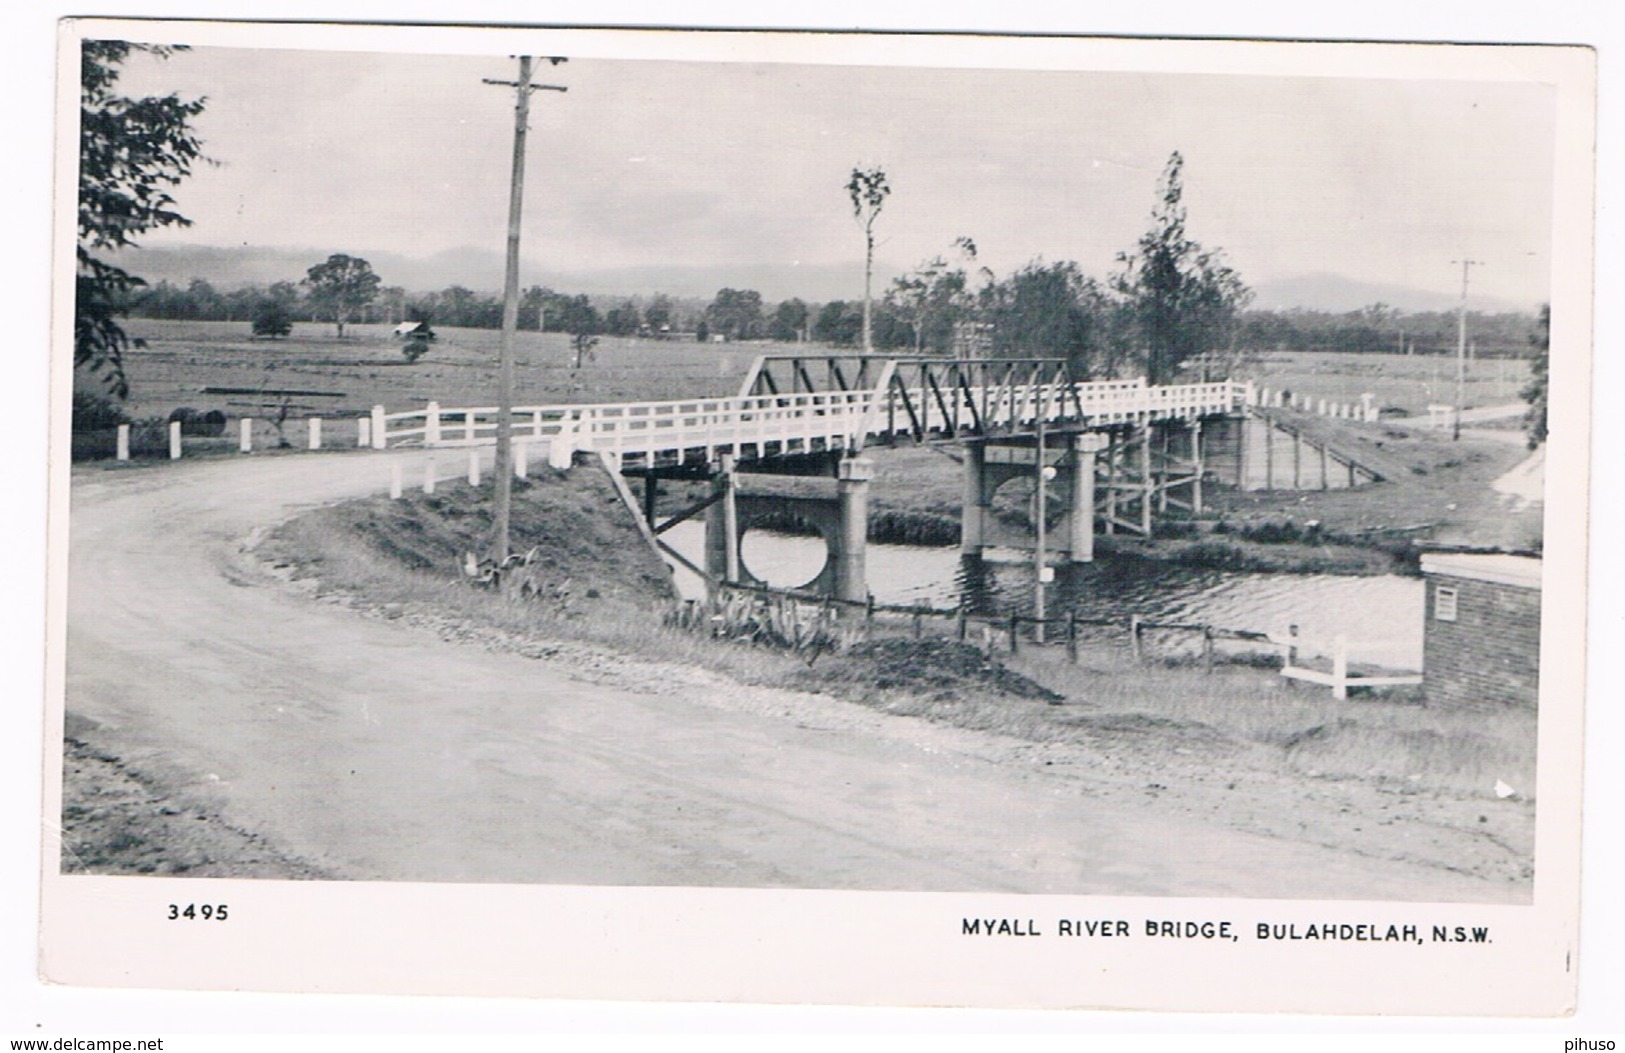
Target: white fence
{"x": 1365, "y": 410}
{"x": 795, "y": 423}
{"x": 1339, "y": 679}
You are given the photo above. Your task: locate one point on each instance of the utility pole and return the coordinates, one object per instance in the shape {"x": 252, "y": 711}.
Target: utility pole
{"x": 1461, "y": 347}
{"x": 502, "y": 485}
{"x": 1041, "y": 528}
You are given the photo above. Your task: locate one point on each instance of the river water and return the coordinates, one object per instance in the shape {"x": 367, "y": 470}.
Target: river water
{"x": 1381, "y": 615}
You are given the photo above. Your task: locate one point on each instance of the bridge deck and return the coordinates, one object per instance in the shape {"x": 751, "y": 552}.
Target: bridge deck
{"x": 780, "y": 424}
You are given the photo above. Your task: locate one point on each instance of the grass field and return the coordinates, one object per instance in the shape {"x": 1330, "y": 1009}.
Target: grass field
{"x": 1399, "y": 382}
{"x": 367, "y": 368}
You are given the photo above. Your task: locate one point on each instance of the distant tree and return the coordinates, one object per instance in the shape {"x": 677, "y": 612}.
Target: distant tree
{"x": 206, "y": 302}
{"x": 575, "y": 315}
{"x": 789, "y": 321}
{"x": 341, "y": 286}
{"x": 456, "y": 305}
{"x": 1049, "y": 310}
{"x": 271, "y": 318}
{"x": 702, "y": 332}
{"x": 868, "y": 191}
{"x": 736, "y": 314}
{"x": 1184, "y": 298}
{"x": 658, "y": 315}
{"x": 934, "y": 299}
{"x": 394, "y": 298}
{"x": 839, "y": 323}
{"x": 1539, "y": 369}
{"x": 623, "y": 320}
{"x": 533, "y": 304}
{"x": 583, "y": 344}
{"x": 131, "y": 153}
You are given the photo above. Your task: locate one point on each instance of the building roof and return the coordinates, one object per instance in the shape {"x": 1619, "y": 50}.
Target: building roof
{"x": 1494, "y": 567}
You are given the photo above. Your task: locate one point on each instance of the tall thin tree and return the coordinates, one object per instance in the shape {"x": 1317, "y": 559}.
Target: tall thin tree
{"x": 868, "y": 190}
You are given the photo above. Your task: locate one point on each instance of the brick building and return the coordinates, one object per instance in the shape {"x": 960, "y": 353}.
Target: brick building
{"x": 1481, "y": 636}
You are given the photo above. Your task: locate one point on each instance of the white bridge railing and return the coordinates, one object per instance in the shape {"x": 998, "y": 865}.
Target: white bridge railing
{"x": 794, "y": 423}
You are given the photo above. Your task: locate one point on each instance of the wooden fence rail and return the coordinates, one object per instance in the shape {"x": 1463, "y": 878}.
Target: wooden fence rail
{"x": 727, "y": 615}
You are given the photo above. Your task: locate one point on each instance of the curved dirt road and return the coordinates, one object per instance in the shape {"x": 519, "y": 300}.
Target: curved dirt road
{"x": 376, "y": 750}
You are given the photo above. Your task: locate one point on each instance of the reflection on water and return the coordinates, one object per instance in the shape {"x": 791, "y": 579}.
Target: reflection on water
{"x": 1381, "y": 615}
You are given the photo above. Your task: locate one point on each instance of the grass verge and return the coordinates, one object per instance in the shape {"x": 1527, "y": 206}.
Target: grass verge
{"x": 607, "y": 592}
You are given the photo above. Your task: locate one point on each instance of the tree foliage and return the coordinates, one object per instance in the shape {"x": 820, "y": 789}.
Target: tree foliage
{"x": 132, "y": 153}
{"x": 736, "y": 314}
{"x": 1182, "y": 298}
{"x": 271, "y": 318}
{"x": 1539, "y": 368}
{"x": 340, "y": 286}
{"x": 935, "y": 299}
{"x": 789, "y": 321}
{"x": 1049, "y": 310}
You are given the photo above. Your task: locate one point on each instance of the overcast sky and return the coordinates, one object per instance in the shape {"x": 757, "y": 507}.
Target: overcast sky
{"x": 648, "y": 163}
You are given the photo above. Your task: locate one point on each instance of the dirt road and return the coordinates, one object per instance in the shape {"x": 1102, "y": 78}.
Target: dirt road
{"x": 368, "y": 748}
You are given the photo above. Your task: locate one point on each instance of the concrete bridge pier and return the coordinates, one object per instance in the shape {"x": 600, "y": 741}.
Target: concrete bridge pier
{"x": 1081, "y": 511}
{"x": 974, "y": 506}
{"x": 847, "y": 550}
{"x": 838, "y": 510}
{"x": 990, "y": 465}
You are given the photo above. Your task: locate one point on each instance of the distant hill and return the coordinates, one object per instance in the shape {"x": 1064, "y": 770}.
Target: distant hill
{"x": 1333, "y": 292}
{"x": 481, "y": 270}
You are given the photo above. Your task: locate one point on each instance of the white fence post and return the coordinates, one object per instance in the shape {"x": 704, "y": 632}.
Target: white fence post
{"x": 395, "y": 481}
{"x": 363, "y": 432}
{"x": 431, "y": 424}
{"x": 123, "y": 442}
{"x": 468, "y": 425}
{"x": 1368, "y": 407}
{"x": 380, "y": 434}
{"x": 245, "y": 435}
{"x": 315, "y": 433}
{"x": 561, "y": 448}
{"x": 1340, "y": 668}
{"x": 521, "y": 460}
{"x": 174, "y": 440}
{"x": 428, "y": 474}
{"x": 473, "y": 466}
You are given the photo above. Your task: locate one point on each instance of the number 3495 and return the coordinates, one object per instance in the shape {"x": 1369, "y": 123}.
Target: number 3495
{"x": 204, "y": 912}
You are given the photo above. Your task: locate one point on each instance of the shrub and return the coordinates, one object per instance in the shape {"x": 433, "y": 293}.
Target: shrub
{"x": 271, "y": 318}
{"x": 93, "y": 412}
{"x": 1273, "y": 533}
{"x": 415, "y": 349}
{"x": 1215, "y": 555}
{"x": 1174, "y": 529}
{"x": 196, "y": 422}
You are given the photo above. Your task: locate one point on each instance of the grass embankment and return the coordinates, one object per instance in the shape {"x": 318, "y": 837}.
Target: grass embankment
{"x": 603, "y": 588}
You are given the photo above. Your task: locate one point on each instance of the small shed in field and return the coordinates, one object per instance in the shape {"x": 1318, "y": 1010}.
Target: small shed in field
{"x": 1481, "y": 636}
{"x": 407, "y": 330}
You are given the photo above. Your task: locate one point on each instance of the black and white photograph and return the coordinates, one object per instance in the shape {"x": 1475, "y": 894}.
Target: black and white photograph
{"x": 991, "y": 502}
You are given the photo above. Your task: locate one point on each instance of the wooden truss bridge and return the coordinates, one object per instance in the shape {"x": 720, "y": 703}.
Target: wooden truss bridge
{"x": 1124, "y": 452}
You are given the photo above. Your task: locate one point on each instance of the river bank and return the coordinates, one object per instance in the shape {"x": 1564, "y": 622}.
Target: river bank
{"x": 1397, "y": 799}
{"x": 400, "y": 558}
{"x": 1384, "y": 778}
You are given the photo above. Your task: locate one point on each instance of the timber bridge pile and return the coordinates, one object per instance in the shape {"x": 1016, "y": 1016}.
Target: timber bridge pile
{"x": 1120, "y": 452}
